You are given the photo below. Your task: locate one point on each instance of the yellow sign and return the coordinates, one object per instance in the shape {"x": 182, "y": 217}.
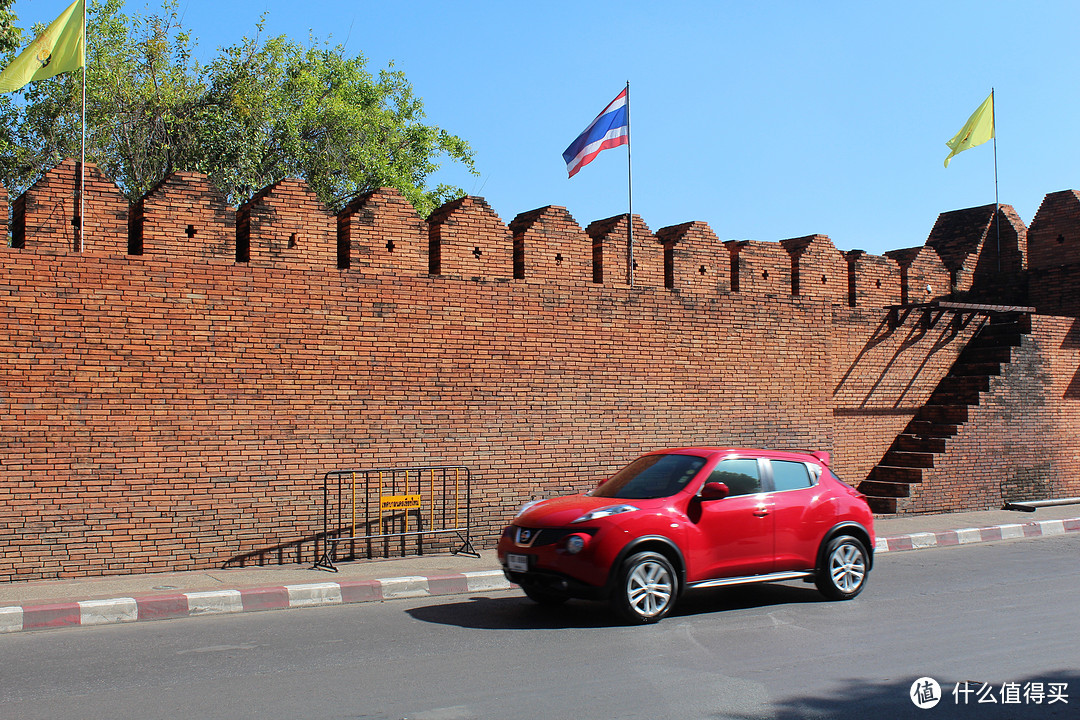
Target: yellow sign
{"x": 389, "y": 503}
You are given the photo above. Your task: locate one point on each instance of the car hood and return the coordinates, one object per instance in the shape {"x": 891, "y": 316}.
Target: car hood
{"x": 562, "y": 511}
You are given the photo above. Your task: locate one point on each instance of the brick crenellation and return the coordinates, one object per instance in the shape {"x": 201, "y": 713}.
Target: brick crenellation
{"x": 174, "y": 389}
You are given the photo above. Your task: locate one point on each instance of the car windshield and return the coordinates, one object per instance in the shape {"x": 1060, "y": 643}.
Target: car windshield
{"x": 651, "y": 476}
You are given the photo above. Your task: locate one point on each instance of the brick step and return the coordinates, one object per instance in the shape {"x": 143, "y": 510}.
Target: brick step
{"x": 913, "y": 444}
{"x": 888, "y": 485}
{"x": 883, "y": 505}
{"x": 873, "y": 488}
{"x": 1003, "y": 340}
{"x": 962, "y": 390}
{"x": 944, "y": 396}
{"x": 986, "y": 354}
{"x": 943, "y": 414}
{"x": 975, "y": 383}
{"x": 924, "y": 429}
{"x": 1003, "y": 331}
{"x": 891, "y": 474}
{"x": 908, "y": 459}
{"x": 966, "y": 369}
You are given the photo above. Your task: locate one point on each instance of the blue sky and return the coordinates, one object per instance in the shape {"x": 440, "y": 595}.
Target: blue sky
{"x": 767, "y": 120}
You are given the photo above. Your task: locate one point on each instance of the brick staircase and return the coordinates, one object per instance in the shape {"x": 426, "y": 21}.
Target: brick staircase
{"x": 889, "y": 484}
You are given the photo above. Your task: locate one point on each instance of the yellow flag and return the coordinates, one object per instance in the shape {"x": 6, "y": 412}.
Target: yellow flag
{"x": 62, "y": 47}
{"x": 978, "y": 129}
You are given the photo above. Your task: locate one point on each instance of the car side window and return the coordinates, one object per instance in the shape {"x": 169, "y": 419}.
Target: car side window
{"x": 789, "y": 475}
{"x": 741, "y": 476}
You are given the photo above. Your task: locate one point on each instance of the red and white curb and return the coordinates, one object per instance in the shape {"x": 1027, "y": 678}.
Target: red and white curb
{"x": 967, "y": 536}
{"x": 189, "y": 604}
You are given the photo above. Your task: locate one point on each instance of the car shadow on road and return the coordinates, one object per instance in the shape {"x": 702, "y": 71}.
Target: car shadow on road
{"x": 1049, "y": 695}
{"x": 514, "y": 611}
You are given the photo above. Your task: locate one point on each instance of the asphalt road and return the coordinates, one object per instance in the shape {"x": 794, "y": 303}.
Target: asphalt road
{"x": 997, "y": 614}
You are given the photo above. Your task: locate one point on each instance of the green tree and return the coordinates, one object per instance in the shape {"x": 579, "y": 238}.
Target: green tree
{"x": 10, "y": 34}
{"x": 10, "y": 43}
{"x": 259, "y": 111}
{"x": 281, "y": 108}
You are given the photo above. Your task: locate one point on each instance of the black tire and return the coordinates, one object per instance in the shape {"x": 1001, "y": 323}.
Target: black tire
{"x": 543, "y": 595}
{"x": 844, "y": 567}
{"x": 646, "y": 589}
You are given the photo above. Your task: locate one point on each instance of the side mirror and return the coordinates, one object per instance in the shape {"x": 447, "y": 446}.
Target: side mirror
{"x": 714, "y": 491}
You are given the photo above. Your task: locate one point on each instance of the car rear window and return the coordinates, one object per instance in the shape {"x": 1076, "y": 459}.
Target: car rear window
{"x": 789, "y": 475}
{"x": 651, "y": 476}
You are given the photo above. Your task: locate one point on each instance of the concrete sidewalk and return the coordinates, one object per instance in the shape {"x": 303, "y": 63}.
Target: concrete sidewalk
{"x": 128, "y": 598}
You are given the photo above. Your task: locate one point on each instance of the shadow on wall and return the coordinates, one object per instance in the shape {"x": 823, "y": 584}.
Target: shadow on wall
{"x": 368, "y": 545}
{"x": 296, "y": 551}
{"x": 863, "y": 390}
{"x": 1073, "y": 391}
{"x": 1072, "y": 338}
{"x": 1072, "y": 342}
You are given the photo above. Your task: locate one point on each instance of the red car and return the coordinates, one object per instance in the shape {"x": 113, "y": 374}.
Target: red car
{"x": 689, "y": 518}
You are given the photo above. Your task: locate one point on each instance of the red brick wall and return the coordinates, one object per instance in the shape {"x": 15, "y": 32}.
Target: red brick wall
{"x": 550, "y": 247}
{"x": 923, "y": 276}
{"x": 50, "y": 214}
{"x": 882, "y": 374}
{"x": 873, "y": 280}
{"x": 1054, "y": 254}
{"x": 286, "y": 222}
{"x": 182, "y": 216}
{"x": 380, "y": 232}
{"x": 694, "y": 259}
{"x": 818, "y": 270}
{"x": 1054, "y": 236}
{"x": 762, "y": 268}
{"x": 1020, "y": 442}
{"x": 181, "y": 415}
{"x": 470, "y": 241}
{"x": 175, "y": 409}
{"x": 610, "y": 242}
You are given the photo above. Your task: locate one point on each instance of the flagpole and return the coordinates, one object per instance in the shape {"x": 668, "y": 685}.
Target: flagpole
{"x": 997, "y": 205}
{"x": 630, "y": 197}
{"x": 82, "y": 163}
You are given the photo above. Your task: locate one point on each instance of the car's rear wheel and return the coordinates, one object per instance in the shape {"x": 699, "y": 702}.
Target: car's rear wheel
{"x": 543, "y": 595}
{"x": 646, "y": 589}
{"x": 842, "y": 574}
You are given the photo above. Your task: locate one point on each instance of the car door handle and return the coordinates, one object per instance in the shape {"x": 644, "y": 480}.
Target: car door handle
{"x": 761, "y": 512}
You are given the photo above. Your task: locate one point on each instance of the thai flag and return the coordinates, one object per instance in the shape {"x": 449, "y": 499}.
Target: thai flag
{"x": 611, "y": 128}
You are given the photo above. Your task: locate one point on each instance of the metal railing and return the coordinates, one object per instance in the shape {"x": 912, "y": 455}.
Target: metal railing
{"x": 364, "y": 510}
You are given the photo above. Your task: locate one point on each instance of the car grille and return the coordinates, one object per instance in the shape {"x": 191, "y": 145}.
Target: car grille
{"x": 533, "y": 537}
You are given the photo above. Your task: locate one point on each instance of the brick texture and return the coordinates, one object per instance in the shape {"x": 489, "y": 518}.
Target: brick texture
{"x": 694, "y": 259}
{"x": 1054, "y": 254}
{"x": 173, "y": 394}
{"x": 550, "y": 247}
{"x": 1020, "y": 441}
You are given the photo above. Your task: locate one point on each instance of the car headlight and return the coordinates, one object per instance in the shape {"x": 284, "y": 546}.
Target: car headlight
{"x": 605, "y": 512}
{"x": 526, "y": 506}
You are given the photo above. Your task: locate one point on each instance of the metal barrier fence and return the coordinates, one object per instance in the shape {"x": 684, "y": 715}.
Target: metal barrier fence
{"x": 363, "y": 509}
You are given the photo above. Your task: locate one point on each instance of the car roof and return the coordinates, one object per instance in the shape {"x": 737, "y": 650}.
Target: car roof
{"x": 798, "y": 455}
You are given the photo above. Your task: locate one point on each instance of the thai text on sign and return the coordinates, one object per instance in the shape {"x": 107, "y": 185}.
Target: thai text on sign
{"x": 389, "y": 503}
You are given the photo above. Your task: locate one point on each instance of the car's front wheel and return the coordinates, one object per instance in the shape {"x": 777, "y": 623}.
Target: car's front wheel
{"x": 842, "y": 574}
{"x": 646, "y": 589}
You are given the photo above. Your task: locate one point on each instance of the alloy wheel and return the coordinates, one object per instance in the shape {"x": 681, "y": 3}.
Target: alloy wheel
{"x": 649, "y": 588}
{"x": 847, "y": 566}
